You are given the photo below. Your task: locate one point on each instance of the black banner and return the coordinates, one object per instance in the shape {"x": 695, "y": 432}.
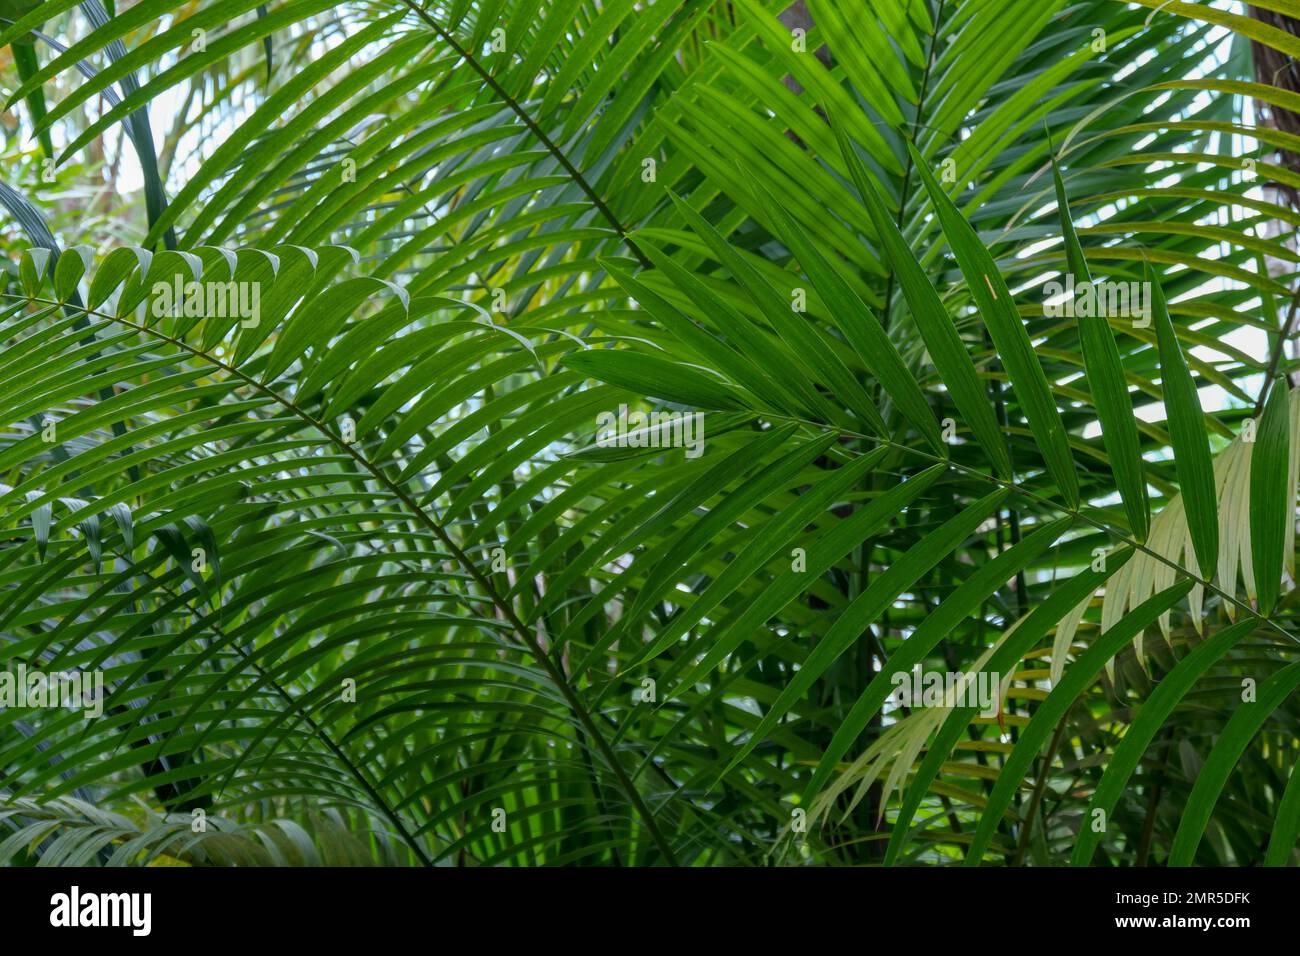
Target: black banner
{"x": 139, "y": 906}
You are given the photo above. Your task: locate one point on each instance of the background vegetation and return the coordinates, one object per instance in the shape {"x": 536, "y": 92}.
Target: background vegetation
{"x": 364, "y": 590}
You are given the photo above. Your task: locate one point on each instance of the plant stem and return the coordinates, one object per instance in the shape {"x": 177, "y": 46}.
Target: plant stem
{"x": 1149, "y": 823}
{"x": 906, "y": 192}
{"x": 1115, "y": 533}
{"x": 536, "y": 130}
{"x": 530, "y": 640}
{"x": 329, "y": 742}
{"x": 1278, "y": 347}
{"x": 1040, "y": 786}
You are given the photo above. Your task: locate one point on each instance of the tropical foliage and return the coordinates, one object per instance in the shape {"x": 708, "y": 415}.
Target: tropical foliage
{"x": 365, "y": 579}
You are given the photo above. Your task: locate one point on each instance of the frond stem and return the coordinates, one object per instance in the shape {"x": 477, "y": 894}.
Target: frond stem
{"x": 1076, "y": 513}
{"x": 530, "y": 640}
{"x": 517, "y": 108}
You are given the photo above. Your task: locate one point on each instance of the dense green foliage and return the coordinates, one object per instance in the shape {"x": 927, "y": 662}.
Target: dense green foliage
{"x": 365, "y": 582}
